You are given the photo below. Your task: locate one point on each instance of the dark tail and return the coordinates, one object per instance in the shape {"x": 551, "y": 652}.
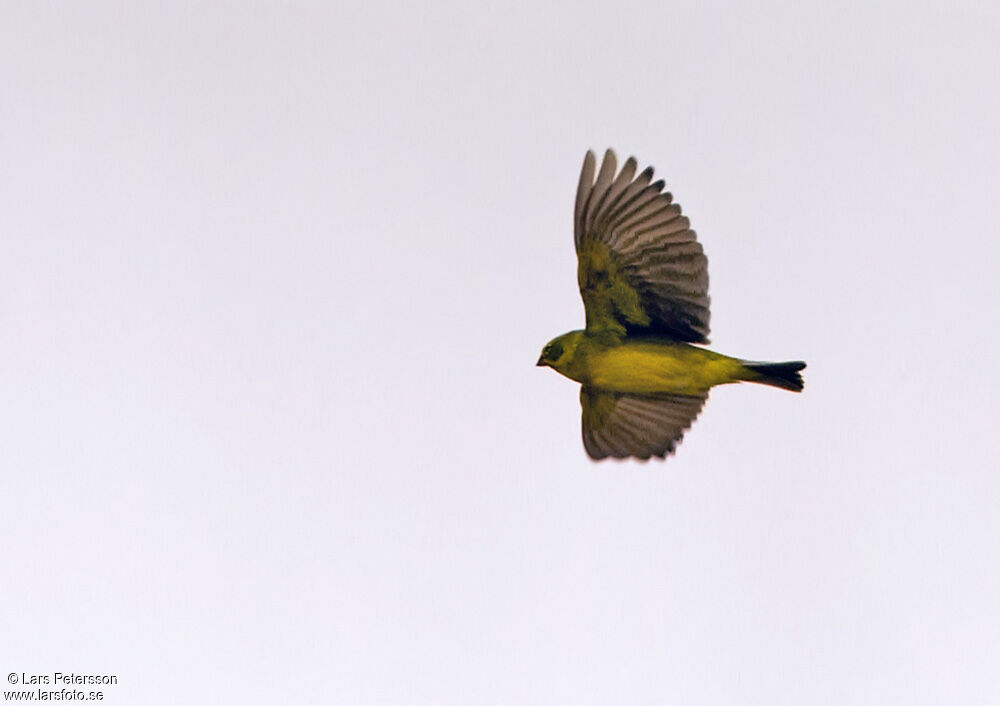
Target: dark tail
{"x": 783, "y": 375}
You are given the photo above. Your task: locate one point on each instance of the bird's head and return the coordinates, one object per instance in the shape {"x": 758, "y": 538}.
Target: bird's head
{"x": 560, "y": 352}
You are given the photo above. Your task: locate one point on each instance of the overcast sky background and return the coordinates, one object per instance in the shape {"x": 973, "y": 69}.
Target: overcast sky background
{"x": 273, "y": 281}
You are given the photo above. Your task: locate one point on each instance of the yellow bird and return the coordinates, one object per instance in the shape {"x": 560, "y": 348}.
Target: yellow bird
{"x": 644, "y": 282}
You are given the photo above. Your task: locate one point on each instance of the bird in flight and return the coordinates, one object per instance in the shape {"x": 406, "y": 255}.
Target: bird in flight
{"x": 644, "y": 282}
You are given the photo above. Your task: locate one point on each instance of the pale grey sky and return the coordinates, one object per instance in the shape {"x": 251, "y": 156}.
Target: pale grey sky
{"x": 273, "y": 280}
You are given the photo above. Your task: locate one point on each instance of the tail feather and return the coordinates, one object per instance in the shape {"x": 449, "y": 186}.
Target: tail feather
{"x": 783, "y": 375}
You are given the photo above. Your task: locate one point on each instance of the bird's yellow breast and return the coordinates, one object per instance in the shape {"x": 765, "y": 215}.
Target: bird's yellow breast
{"x": 649, "y": 368}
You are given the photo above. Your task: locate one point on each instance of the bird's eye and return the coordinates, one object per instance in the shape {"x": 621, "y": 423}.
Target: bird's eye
{"x": 554, "y": 352}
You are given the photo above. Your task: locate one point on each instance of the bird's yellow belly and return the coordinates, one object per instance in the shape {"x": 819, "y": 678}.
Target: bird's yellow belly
{"x": 649, "y": 368}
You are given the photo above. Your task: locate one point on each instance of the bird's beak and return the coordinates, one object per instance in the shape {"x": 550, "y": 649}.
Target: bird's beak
{"x": 540, "y": 362}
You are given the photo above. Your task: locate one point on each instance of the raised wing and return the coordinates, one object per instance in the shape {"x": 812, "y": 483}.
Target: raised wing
{"x": 641, "y": 270}
{"x": 621, "y": 425}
